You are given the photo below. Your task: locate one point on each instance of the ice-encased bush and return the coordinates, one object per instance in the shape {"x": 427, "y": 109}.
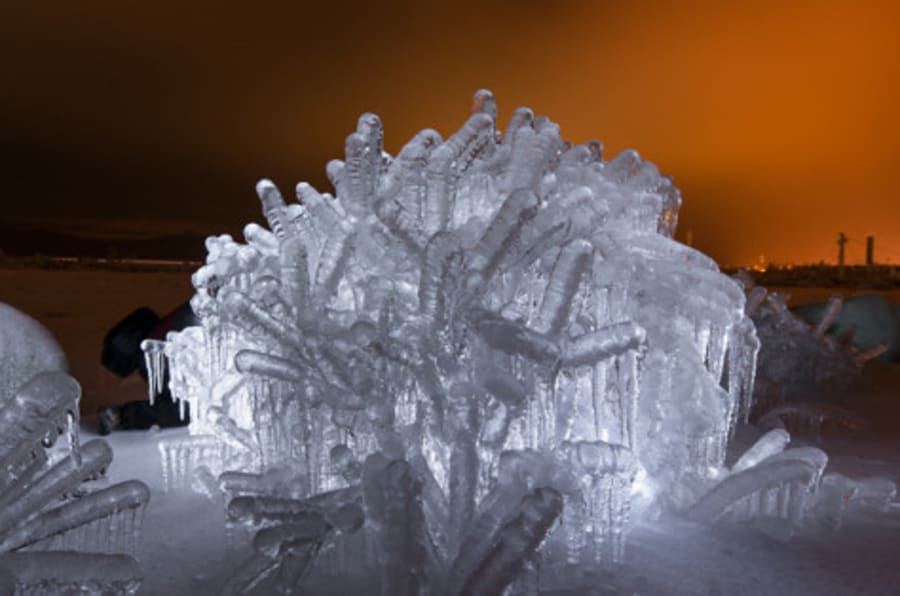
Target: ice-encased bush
{"x": 494, "y": 333}
{"x": 802, "y": 371}
{"x": 60, "y": 530}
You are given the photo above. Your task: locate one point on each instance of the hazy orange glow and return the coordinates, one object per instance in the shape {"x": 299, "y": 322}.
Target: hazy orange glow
{"x": 778, "y": 120}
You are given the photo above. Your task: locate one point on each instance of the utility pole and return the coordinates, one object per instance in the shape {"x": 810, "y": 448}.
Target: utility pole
{"x": 842, "y": 240}
{"x": 870, "y": 250}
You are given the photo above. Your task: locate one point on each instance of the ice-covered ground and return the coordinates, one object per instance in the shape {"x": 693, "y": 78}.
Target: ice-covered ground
{"x": 185, "y": 549}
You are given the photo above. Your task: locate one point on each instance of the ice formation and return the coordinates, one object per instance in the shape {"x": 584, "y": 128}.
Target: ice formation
{"x": 799, "y": 361}
{"x": 61, "y": 531}
{"x": 478, "y": 351}
{"x": 26, "y": 349}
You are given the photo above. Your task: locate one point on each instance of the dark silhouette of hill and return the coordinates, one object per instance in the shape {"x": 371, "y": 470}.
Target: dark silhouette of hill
{"x": 21, "y": 241}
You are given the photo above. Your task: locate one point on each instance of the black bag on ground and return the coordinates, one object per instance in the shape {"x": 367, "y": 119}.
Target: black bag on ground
{"x": 122, "y": 345}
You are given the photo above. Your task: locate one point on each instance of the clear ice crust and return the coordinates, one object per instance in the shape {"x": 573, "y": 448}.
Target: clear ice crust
{"x": 62, "y": 529}
{"x": 481, "y": 354}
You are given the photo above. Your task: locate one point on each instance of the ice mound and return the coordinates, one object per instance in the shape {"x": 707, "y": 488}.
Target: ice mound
{"x": 61, "y": 528}
{"x": 26, "y": 349}
{"x": 480, "y": 353}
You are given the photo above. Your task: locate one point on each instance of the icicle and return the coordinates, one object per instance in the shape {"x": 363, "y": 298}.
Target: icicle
{"x": 154, "y": 357}
{"x": 72, "y": 428}
{"x": 627, "y": 367}
{"x": 599, "y": 380}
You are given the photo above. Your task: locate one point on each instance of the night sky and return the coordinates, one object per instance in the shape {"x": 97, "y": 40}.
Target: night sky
{"x": 778, "y": 120}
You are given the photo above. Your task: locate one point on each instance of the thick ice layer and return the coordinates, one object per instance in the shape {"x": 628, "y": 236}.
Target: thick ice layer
{"x": 26, "y": 349}
{"x": 465, "y": 303}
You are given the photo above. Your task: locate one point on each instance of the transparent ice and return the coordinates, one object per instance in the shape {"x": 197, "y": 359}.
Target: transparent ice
{"x": 483, "y": 346}
{"x": 61, "y": 529}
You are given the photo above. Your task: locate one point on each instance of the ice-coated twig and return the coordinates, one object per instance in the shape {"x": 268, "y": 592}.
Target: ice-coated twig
{"x": 504, "y": 231}
{"x": 60, "y": 479}
{"x": 37, "y": 410}
{"x": 514, "y": 338}
{"x": 118, "y": 498}
{"x": 393, "y": 503}
{"x": 809, "y": 417}
{"x": 769, "y": 444}
{"x": 288, "y": 548}
{"x": 604, "y": 343}
{"x": 796, "y": 470}
{"x": 295, "y": 275}
{"x": 571, "y": 265}
{"x": 515, "y": 542}
{"x": 831, "y": 313}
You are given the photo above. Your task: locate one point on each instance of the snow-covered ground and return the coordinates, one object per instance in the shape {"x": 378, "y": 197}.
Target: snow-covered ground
{"x": 186, "y": 550}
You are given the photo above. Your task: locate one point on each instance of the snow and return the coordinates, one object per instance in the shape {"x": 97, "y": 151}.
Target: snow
{"x": 185, "y": 548}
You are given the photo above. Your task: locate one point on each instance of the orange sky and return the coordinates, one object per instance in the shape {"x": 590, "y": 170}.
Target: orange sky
{"x": 778, "y": 120}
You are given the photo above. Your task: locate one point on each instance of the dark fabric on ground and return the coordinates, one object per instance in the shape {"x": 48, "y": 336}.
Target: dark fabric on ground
{"x": 122, "y": 345}
{"x": 140, "y": 415}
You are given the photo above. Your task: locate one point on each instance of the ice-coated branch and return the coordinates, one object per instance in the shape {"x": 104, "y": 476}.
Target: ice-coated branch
{"x": 125, "y": 496}
{"x": 781, "y": 486}
{"x": 531, "y": 153}
{"x": 828, "y": 317}
{"x": 515, "y": 542}
{"x": 273, "y": 207}
{"x": 514, "y": 338}
{"x": 37, "y": 410}
{"x": 604, "y": 343}
{"x": 504, "y": 231}
{"x": 295, "y": 276}
{"x": 768, "y": 445}
{"x": 258, "y": 363}
{"x": 571, "y": 266}
{"x": 60, "y": 479}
